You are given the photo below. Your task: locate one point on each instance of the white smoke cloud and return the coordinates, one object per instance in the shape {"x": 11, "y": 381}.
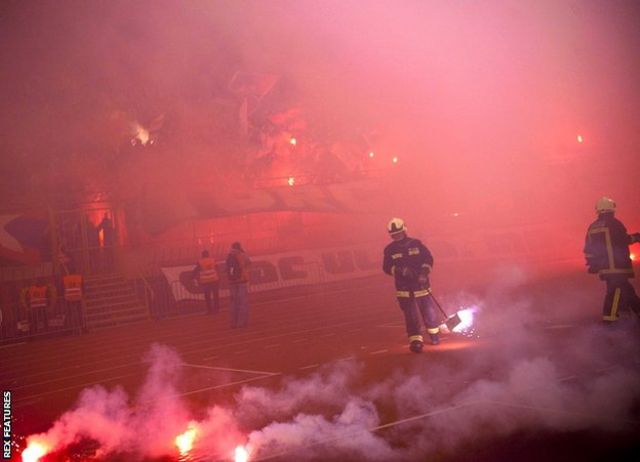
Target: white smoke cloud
{"x": 329, "y": 387}
{"x": 146, "y": 426}
{"x": 346, "y": 434}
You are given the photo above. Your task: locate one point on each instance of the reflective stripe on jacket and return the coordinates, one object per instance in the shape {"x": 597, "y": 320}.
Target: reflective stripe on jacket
{"x": 72, "y": 287}
{"x": 606, "y": 247}
{"x": 37, "y": 297}
{"x": 208, "y": 273}
{"x": 409, "y": 261}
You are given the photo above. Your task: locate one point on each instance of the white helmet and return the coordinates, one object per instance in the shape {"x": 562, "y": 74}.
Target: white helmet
{"x": 605, "y": 205}
{"x": 396, "y": 226}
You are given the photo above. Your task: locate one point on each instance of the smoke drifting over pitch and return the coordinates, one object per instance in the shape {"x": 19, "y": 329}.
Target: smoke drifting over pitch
{"x": 512, "y": 385}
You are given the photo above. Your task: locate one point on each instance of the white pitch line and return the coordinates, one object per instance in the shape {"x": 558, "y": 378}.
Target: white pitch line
{"x": 310, "y": 366}
{"x": 228, "y": 384}
{"x": 228, "y": 369}
{"x": 9, "y": 345}
{"x": 379, "y": 352}
{"x": 599, "y": 417}
{"x": 605, "y": 369}
{"x": 57, "y": 390}
{"x": 66, "y": 377}
{"x": 422, "y": 416}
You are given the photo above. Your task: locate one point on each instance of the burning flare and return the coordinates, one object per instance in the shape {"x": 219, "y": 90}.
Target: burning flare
{"x": 34, "y": 451}
{"x": 184, "y": 442}
{"x": 241, "y": 454}
{"x": 466, "y": 318}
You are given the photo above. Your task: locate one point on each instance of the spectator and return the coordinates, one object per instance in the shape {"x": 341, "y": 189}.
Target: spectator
{"x": 238, "y": 264}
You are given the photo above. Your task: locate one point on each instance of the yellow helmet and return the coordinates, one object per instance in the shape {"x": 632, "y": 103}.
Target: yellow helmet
{"x": 605, "y": 205}
{"x": 396, "y": 226}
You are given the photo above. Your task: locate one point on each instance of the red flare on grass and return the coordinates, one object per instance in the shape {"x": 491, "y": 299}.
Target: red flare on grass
{"x": 241, "y": 454}
{"x": 34, "y": 451}
{"x": 184, "y": 441}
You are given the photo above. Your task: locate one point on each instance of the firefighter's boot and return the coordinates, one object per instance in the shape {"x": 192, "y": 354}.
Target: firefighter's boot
{"x": 435, "y": 339}
{"x": 416, "y": 346}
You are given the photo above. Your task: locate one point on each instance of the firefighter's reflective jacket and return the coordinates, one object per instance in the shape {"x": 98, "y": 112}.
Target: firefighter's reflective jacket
{"x": 206, "y": 269}
{"x": 72, "y": 287}
{"x": 409, "y": 261}
{"x": 606, "y": 247}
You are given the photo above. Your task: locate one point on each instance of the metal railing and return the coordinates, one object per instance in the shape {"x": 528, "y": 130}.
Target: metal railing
{"x": 21, "y": 323}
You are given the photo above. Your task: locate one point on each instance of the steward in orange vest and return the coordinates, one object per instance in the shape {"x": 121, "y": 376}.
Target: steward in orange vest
{"x": 72, "y": 287}
{"x": 207, "y": 276}
{"x": 37, "y": 305}
{"x": 73, "y": 297}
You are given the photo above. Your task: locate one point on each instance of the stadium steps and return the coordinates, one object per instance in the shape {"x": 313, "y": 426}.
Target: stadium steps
{"x": 111, "y": 300}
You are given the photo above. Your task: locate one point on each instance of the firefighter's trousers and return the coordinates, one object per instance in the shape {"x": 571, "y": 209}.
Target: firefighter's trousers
{"x": 418, "y": 310}
{"x": 620, "y": 296}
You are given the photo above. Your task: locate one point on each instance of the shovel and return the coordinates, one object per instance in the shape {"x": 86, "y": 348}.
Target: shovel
{"x": 450, "y": 321}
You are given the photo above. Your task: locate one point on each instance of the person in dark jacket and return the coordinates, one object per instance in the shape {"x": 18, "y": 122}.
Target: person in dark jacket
{"x": 410, "y": 262}
{"x": 606, "y": 250}
{"x": 238, "y": 264}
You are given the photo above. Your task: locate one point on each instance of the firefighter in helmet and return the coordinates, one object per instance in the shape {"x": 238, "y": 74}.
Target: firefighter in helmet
{"x": 410, "y": 262}
{"x": 606, "y": 250}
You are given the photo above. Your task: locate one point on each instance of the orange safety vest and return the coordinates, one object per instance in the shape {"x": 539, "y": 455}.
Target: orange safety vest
{"x": 72, "y": 287}
{"x": 208, "y": 273}
{"x": 37, "y": 297}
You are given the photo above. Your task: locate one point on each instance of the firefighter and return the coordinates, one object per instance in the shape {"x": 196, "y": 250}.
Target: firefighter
{"x": 410, "y": 262}
{"x": 37, "y": 304}
{"x": 606, "y": 250}
{"x": 207, "y": 276}
{"x": 73, "y": 297}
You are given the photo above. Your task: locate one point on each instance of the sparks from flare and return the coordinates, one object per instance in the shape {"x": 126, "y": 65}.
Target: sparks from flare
{"x": 466, "y": 319}
{"x": 184, "y": 442}
{"x": 34, "y": 451}
{"x": 580, "y": 139}
{"x": 241, "y": 454}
